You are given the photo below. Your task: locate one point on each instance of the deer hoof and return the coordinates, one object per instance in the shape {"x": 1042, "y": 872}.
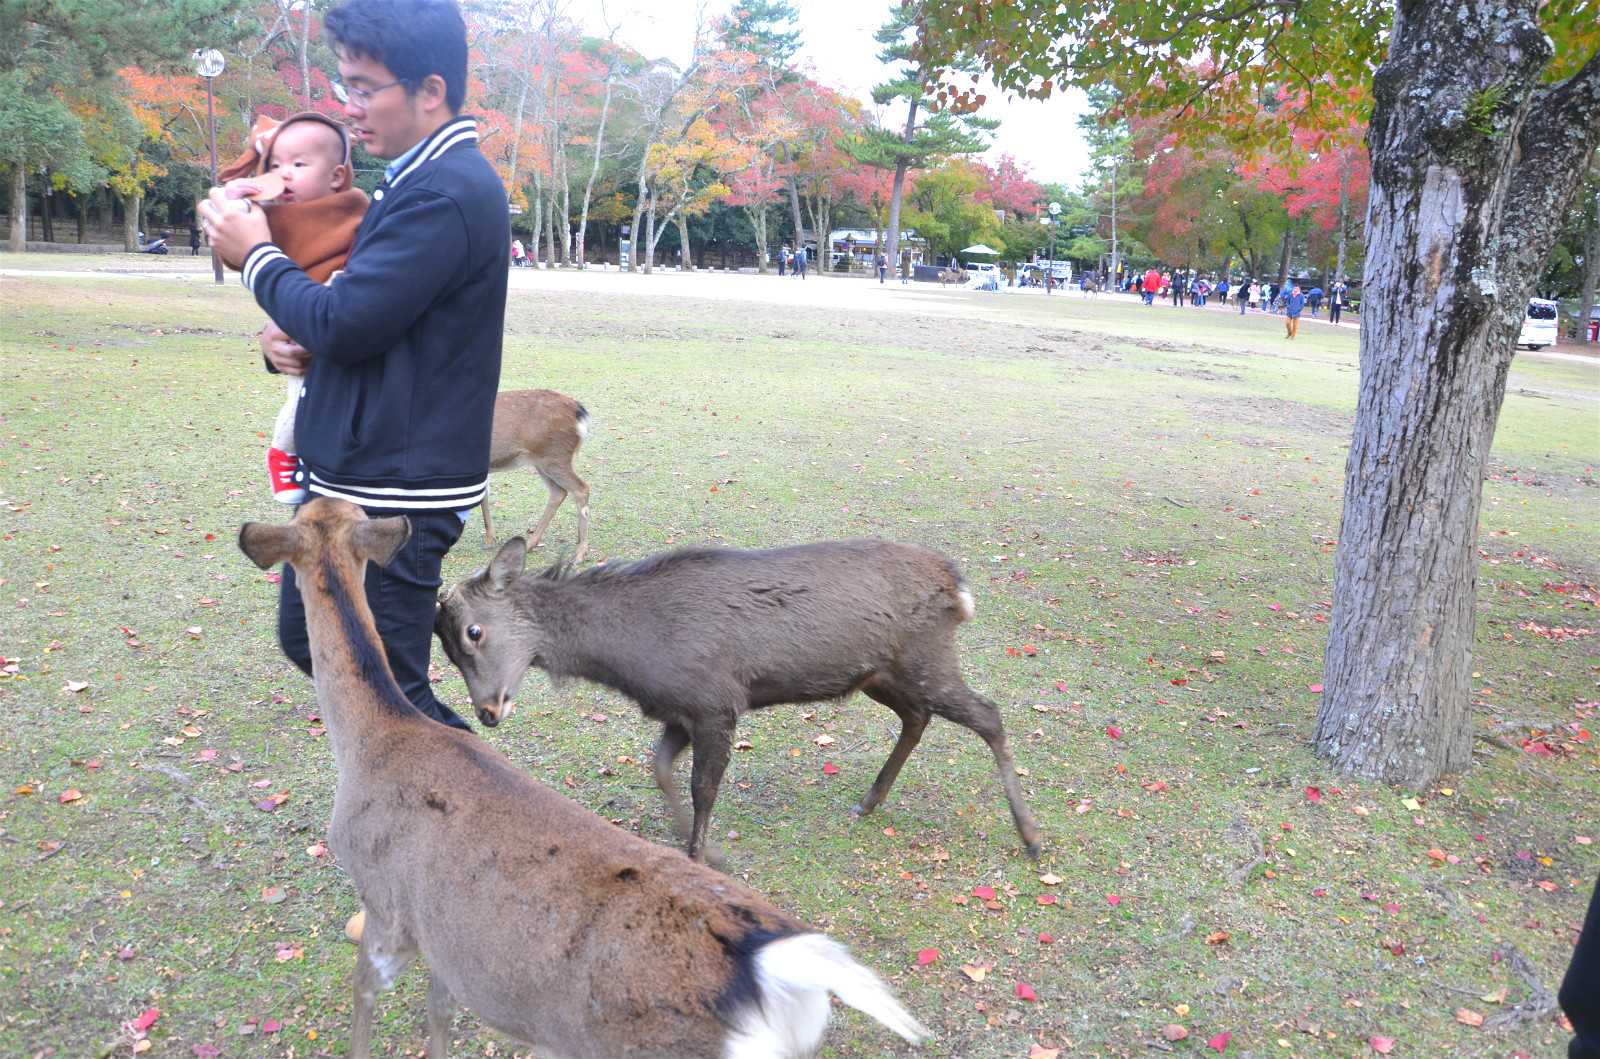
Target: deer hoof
{"x": 1033, "y": 849}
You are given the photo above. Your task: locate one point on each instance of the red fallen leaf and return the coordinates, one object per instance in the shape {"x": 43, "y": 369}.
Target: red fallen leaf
{"x": 1274, "y": 606}
{"x": 1381, "y": 1045}
{"x": 1039, "y": 1051}
{"x": 927, "y": 956}
{"x": 1158, "y": 785}
{"x": 206, "y": 1051}
{"x": 262, "y": 784}
{"x": 207, "y": 755}
{"x": 1185, "y": 680}
{"x": 1061, "y": 687}
{"x": 829, "y": 768}
{"x": 1436, "y": 854}
{"x": 1113, "y": 900}
{"x": 1013, "y": 651}
{"x": 1114, "y": 732}
{"x": 1316, "y": 689}
{"x": 146, "y": 1020}
{"x": 1025, "y": 991}
{"x": 1220, "y": 1041}
{"x": 70, "y": 795}
{"x": 1029, "y": 650}
{"x": 1045, "y": 938}
{"x": 1398, "y": 950}
{"x": 1319, "y": 893}
{"x": 985, "y": 892}
{"x": 1391, "y": 908}
{"x": 1313, "y": 794}
{"x": 1046, "y": 899}
{"x": 271, "y": 1027}
{"x": 889, "y": 831}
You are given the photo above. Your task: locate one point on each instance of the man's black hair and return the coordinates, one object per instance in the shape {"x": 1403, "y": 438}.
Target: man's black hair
{"x": 413, "y": 38}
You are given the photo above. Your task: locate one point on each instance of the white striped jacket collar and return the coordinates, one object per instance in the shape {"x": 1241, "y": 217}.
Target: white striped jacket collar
{"x": 459, "y": 131}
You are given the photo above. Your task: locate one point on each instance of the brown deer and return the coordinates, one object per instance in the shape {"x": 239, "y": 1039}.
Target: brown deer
{"x": 698, "y": 637}
{"x": 552, "y": 925}
{"x": 543, "y": 430}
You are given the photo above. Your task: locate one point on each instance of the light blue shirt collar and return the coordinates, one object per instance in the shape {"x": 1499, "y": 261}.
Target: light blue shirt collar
{"x": 394, "y": 168}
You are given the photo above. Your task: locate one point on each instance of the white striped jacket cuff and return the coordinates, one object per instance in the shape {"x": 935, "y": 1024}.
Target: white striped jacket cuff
{"x": 253, "y": 262}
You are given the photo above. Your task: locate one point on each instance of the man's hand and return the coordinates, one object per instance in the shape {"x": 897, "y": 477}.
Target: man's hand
{"x": 232, "y": 233}
{"x": 282, "y": 352}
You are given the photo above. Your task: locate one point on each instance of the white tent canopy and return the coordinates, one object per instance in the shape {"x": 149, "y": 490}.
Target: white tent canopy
{"x": 981, "y": 249}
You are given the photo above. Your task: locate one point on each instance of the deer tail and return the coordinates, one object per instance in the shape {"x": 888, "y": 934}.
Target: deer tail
{"x": 794, "y": 976}
{"x": 581, "y": 414}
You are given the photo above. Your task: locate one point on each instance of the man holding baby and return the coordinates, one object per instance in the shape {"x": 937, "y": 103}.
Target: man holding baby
{"x": 399, "y": 351}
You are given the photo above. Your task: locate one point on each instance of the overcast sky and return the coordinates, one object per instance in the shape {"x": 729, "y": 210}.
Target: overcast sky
{"x": 836, "y": 41}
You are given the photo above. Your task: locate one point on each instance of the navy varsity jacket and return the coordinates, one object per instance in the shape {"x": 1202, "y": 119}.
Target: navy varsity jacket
{"x": 398, "y": 403}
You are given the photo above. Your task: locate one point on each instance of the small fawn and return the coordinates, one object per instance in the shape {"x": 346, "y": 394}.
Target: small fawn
{"x": 551, "y": 924}
{"x": 543, "y": 430}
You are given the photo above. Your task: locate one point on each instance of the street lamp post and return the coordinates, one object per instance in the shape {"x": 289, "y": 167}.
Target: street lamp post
{"x": 1050, "y": 266}
{"x": 209, "y": 64}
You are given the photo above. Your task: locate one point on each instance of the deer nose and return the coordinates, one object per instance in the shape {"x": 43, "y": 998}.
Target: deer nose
{"x": 491, "y": 713}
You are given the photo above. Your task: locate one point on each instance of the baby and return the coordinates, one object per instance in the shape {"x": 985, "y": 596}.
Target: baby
{"x": 313, "y": 220}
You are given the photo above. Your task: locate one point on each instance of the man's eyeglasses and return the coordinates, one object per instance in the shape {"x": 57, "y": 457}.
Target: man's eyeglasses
{"x": 361, "y": 96}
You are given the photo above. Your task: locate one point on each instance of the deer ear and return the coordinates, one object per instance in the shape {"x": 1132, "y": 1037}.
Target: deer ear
{"x": 268, "y": 543}
{"x": 381, "y": 539}
{"x": 507, "y": 564}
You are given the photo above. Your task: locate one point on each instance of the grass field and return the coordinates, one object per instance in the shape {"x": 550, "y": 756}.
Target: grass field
{"x": 1146, "y": 502}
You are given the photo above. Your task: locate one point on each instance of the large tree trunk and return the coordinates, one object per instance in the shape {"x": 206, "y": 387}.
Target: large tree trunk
{"x": 594, "y": 171}
{"x": 683, "y": 242}
{"x": 893, "y": 234}
{"x": 19, "y": 207}
{"x": 1473, "y": 165}
{"x": 1344, "y": 214}
{"x": 758, "y": 224}
{"x": 80, "y": 213}
{"x": 1283, "y": 258}
{"x": 130, "y": 222}
{"x": 47, "y": 226}
{"x": 794, "y": 201}
{"x": 1591, "y": 274}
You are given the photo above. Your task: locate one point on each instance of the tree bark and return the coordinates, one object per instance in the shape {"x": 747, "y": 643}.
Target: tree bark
{"x": 794, "y": 200}
{"x": 594, "y": 171}
{"x": 1283, "y": 258}
{"x": 19, "y": 207}
{"x": 130, "y": 222}
{"x": 1344, "y": 213}
{"x": 683, "y": 243}
{"x": 47, "y": 226}
{"x": 893, "y": 235}
{"x": 1474, "y": 162}
{"x": 80, "y": 213}
{"x": 758, "y": 224}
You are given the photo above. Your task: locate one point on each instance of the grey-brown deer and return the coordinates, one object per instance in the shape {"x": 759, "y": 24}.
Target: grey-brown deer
{"x": 700, "y": 636}
{"x": 543, "y": 430}
{"x": 554, "y": 926}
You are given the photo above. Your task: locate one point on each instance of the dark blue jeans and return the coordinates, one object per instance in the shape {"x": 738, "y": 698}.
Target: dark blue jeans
{"x": 403, "y": 596}
{"x": 1580, "y": 991}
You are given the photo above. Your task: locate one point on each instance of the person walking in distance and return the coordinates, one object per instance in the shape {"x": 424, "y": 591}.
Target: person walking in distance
{"x": 905, "y": 267}
{"x": 800, "y": 261}
{"x": 1336, "y": 302}
{"x": 883, "y": 268}
{"x": 1292, "y": 307}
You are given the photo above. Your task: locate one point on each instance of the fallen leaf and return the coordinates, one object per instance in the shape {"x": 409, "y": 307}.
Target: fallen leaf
{"x": 1158, "y": 785}
{"x": 1046, "y": 899}
{"x": 146, "y": 1020}
{"x": 1220, "y": 1042}
{"x": 1381, "y": 1045}
{"x": 1113, "y": 900}
{"x": 1316, "y": 689}
{"x": 1313, "y": 794}
{"x": 75, "y": 686}
{"x": 1114, "y": 732}
{"x": 1436, "y": 854}
{"x": 961, "y": 899}
{"x": 927, "y": 956}
{"x": 206, "y": 1051}
{"x": 977, "y": 974}
{"x": 1025, "y": 991}
{"x": 744, "y": 744}
{"x": 1182, "y": 1010}
{"x": 1218, "y": 938}
{"x": 1468, "y": 1017}
{"x": 829, "y": 768}
{"x": 24, "y": 789}
{"x": 823, "y": 740}
{"x": 1039, "y": 1051}
{"x": 1496, "y": 997}
{"x": 984, "y": 892}
{"x": 1175, "y": 1032}
{"x": 70, "y": 795}
{"x": 273, "y": 895}
{"x": 1050, "y": 879}
{"x": 1412, "y": 804}
{"x": 271, "y": 1027}
{"x": 1547, "y": 886}
{"x": 317, "y": 850}
{"x": 1045, "y": 938}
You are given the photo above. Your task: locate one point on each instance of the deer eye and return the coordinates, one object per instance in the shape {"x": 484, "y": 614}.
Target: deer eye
{"x": 474, "y": 633}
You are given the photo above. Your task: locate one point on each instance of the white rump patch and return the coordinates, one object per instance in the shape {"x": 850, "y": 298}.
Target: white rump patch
{"x": 794, "y": 977}
{"x": 583, "y": 426}
{"x": 964, "y": 594}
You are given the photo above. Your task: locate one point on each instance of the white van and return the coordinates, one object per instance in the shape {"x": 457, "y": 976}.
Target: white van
{"x": 1539, "y": 326}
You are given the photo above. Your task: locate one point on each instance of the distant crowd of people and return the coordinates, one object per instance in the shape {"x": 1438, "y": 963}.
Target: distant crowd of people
{"x": 1288, "y": 299}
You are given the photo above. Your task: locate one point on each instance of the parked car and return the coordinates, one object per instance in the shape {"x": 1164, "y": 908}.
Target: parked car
{"x": 1539, "y": 325}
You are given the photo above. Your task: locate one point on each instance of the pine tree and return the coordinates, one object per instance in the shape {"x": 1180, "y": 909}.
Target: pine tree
{"x": 941, "y": 134}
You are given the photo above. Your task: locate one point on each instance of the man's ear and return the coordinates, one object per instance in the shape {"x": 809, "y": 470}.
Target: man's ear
{"x": 433, "y": 93}
{"x": 269, "y": 543}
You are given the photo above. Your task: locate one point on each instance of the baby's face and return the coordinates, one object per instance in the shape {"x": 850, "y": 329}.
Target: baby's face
{"x": 309, "y": 156}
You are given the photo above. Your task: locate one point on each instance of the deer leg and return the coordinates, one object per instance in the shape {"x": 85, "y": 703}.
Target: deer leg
{"x": 912, "y": 724}
{"x": 971, "y": 710}
{"x": 441, "y": 1015}
{"x": 580, "y": 496}
{"x": 488, "y": 522}
{"x": 557, "y": 494}
{"x": 673, "y": 739}
{"x": 713, "y": 745}
{"x": 379, "y": 960}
